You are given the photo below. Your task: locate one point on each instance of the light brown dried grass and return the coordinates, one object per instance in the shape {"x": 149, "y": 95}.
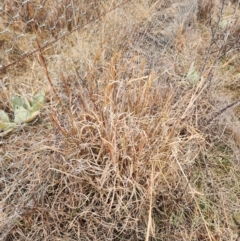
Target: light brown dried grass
{"x": 124, "y": 155}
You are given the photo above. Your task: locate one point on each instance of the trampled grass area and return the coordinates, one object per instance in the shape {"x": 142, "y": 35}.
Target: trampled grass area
{"x": 138, "y": 139}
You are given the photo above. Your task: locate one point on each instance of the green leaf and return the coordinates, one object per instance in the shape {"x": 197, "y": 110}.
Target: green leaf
{"x": 223, "y": 24}
{"x": 6, "y": 125}
{"x": 38, "y": 100}
{"x": 25, "y": 103}
{"x": 23, "y": 115}
{"x": 16, "y": 101}
{"x": 193, "y": 76}
{"x": 4, "y": 116}
{"x": 20, "y": 101}
{"x": 33, "y": 114}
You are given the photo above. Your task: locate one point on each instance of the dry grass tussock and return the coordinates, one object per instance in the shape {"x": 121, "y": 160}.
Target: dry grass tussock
{"x": 133, "y": 142}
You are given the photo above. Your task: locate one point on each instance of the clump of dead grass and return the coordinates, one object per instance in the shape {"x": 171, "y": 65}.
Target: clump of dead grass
{"x": 122, "y": 147}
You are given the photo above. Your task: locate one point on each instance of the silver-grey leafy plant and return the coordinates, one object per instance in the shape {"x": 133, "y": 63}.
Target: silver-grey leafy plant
{"x": 25, "y": 111}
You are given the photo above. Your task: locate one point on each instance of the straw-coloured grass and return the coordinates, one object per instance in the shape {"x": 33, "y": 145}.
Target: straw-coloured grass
{"x": 133, "y": 143}
{"x": 120, "y": 151}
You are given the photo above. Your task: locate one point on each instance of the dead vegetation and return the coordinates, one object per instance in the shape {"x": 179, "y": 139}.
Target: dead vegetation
{"x": 135, "y": 141}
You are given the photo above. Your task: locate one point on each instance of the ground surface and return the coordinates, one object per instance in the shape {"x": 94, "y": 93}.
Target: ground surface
{"x": 139, "y": 136}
